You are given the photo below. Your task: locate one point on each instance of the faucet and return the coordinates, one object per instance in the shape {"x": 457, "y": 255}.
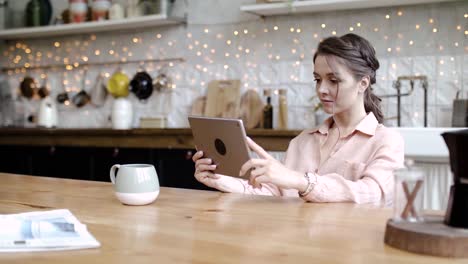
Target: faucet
{"x": 399, "y": 94}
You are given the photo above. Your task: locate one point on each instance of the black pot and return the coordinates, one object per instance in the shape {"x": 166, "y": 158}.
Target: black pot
{"x": 63, "y": 97}
{"x": 81, "y": 98}
{"x": 142, "y": 85}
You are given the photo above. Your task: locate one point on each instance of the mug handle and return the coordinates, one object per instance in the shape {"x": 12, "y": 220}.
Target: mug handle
{"x": 112, "y": 172}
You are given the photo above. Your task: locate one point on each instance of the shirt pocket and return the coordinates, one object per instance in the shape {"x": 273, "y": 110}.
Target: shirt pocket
{"x": 353, "y": 170}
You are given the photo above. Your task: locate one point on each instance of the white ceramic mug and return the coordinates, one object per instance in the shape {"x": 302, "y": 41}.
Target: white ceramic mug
{"x": 135, "y": 184}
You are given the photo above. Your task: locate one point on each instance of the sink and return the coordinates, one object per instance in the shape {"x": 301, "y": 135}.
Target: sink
{"x": 425, "y": 143}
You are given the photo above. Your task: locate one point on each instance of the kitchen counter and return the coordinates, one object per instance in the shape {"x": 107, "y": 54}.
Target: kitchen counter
{"x": 192, "y": 226}
{"x": 170, "y": 138}
{"x": 421, "y": 144}
{"x": 426, "y": 144}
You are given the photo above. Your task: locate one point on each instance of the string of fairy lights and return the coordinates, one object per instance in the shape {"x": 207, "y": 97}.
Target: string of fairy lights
{"x": 213, "y": 50}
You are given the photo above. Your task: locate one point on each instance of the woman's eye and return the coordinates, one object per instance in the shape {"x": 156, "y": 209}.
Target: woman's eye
{"x": 334, "y": 81}
{"x": 317, "y": 80}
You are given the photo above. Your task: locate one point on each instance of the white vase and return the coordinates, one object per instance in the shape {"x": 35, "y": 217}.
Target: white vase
{"x": 48, "y": 114}
{"x": 122, "y": 114}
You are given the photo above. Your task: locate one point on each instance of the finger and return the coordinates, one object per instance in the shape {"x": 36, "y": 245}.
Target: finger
{"x": 261, "y": 179}
{"x": 246, "y": 167}
{"x": 205, "y": 167}
{"x": 203, "y": 161}
{"x": 256, "y": 180}
{"x": 250, "y": 164}
{"x": 258, "y": 171}
{"x": 252, "y": 178}
{"x": 198, "y": 155}
{"x": 257, "y": 149}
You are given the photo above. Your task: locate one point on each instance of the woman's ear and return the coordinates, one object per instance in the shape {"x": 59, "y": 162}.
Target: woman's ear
{"x": 364, "y": 84}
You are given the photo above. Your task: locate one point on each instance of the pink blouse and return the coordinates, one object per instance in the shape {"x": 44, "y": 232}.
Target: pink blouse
{"x": 359, "y": 168}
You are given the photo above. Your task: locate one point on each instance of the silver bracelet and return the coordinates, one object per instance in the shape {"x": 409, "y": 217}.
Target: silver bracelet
{"x": 310, "y": 184}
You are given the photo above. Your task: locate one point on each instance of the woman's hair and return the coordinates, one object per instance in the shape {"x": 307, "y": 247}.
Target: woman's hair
{"x": 359, "y": 56}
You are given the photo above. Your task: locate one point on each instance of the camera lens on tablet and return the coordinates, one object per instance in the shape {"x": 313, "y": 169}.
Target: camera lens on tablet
{"x": 220, "y": 147}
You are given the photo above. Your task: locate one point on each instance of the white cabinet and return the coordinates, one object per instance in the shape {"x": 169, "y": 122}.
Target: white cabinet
{"x": 425, "y": 144}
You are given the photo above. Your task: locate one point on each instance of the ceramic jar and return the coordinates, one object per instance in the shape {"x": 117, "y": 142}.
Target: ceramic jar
{"x": 122, "y": 114}
{"x": 100, "y": 9}
{"x": 78, "y": 11}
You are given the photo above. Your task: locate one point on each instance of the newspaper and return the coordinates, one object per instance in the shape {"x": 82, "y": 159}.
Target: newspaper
{"x": 44, "y": 231}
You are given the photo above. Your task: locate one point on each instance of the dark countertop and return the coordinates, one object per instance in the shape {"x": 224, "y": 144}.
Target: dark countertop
{"x": 171, "y": 138}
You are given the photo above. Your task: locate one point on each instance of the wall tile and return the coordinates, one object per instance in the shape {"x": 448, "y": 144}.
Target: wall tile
{"x": 260, "y": 56}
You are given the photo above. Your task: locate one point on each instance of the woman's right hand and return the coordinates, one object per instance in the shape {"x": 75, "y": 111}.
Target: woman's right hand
{"x": 204, "y": 170}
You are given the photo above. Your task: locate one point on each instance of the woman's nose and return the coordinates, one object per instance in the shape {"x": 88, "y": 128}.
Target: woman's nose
{"x": 323, "y": 89}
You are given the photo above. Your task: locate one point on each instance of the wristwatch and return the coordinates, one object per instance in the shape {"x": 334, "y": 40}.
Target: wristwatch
{"x": 311, "y": 182}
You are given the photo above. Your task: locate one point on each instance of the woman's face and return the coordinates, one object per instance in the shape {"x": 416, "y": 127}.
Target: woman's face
{"x": 336, "y": 87}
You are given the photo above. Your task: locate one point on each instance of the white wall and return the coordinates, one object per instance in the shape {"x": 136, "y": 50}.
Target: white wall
{"x": 276, "y": 59}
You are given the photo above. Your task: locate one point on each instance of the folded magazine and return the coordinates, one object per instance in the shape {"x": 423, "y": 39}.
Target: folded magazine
{"x": 44, "y": 231}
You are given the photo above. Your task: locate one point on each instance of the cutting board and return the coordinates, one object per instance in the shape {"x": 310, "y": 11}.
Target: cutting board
{"x": 198, "y": 106}
{"x": 223, "y": 99}
{"x": 251, "y": 109}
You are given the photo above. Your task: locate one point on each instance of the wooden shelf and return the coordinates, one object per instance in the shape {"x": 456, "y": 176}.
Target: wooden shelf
{"x": 142, "y": 22}
{"x": 311, "y": 6}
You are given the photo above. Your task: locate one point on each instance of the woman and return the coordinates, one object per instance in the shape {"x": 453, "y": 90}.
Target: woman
{"x": 349, "y": 158}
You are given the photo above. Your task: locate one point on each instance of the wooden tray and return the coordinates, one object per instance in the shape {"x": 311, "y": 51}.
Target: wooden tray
{"x": 430, "y": 237}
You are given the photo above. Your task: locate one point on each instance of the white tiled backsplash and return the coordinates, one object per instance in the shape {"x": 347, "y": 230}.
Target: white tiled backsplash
{"x": 220, "y": 42}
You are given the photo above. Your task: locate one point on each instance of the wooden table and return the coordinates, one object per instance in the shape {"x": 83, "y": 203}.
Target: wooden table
{"x": 189, "y": 226}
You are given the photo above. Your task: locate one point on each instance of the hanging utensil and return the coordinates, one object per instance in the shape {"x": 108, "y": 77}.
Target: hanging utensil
{"x": 82, "y": 97}
{"x": 98, "y": 92}
{"x": 162, "y": 82}
{"x": 44, "y": 90}
{"x": 63, "y": 98}
{"x": 28, "y": 87}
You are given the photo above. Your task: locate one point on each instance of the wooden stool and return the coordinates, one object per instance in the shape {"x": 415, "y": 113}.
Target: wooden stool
{"x": 428, "y": 237}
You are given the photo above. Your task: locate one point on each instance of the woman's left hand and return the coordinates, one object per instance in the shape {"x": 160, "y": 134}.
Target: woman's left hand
{"x": 269, "y": 170}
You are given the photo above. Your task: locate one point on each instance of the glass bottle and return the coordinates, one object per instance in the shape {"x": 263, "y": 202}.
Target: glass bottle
{"x": 3, "y": 14}
{"x": 33, "y": 13}
{"x": 282, "y": 109}
{"x": 267, "y": 120}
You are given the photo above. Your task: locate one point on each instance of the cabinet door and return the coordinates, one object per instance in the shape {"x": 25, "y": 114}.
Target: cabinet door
{"x": 62, "y": 162}
{"x": 104, "y": 158}
{"x": 15, "y": 159}
{"x": 177, "y": 169}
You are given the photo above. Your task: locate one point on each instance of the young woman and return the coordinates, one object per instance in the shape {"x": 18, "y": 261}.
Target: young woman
{"x": 349, "y": 158}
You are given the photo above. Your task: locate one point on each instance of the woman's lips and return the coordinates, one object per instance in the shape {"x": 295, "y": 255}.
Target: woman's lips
{"x": 326, "y": 101}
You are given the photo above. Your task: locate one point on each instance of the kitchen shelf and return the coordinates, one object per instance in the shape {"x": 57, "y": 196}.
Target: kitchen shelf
{"x": 142, "y": 22}
{"x": 311, "y": 6}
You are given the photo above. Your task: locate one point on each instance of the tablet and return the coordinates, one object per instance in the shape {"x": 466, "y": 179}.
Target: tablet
{"x": 224, "y": 141}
